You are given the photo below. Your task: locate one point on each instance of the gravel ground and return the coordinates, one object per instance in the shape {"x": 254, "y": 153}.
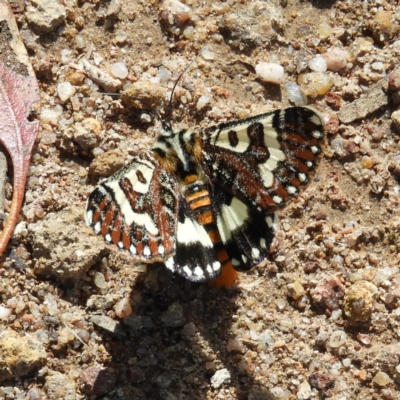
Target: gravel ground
{"x": 321, "y": 318}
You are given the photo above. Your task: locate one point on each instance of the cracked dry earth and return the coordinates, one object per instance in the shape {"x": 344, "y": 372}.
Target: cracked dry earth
{"x": 321, "y": 318}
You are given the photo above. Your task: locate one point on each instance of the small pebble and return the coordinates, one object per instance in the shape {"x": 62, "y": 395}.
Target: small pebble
{"x": 76, "y": 78}
{"x": 60, "y": 386}
{"x": 383, "y": 27}
{"x": 295, "y": 95}
{"x": 358, "y": 301}
{"x": 100, "y": 281}
{"x": 269, "y": 72}
{"x": 96, "y": 381}
{"x": 66, "y": 56}
{"x": 207, "y": 54}
{"x": 382, "y": 275}
{"x": 394, "y": 80}
{"x": 395, "y": 117}
{"x": 377, "y": 66}
{"x": 335, "y": 58}
{"x": 48, "y": 138}
{"x": 336, "y": 339}
{"x": 328, "y": 292}
{"x": 174, "y": 317}
{"x": 51, "y": 116}
{"x": 107, "y": 163}
{"x": 202, "y": 102}
{"x": 381, "y": 379}
{"x": 5, "y": 312}
{"x": 318, "y": 64}
{"x": 364, "y": 339}
{"x": 119, "y": 70}
{"x": 324, "y": 31}
{"x": 304, "y": 392}
{"x": 295, "y": 290}
{"x": 123, "y": 308}
{"x": 315, "y": 83}
{"x": 65, "y": 90}
{"x": 235, "y": 346}
{"x": 321, "y": 381}
{"x": 189, "y": 329}
{"x": 164, "y": 74}
{"x": 220, "y": 377}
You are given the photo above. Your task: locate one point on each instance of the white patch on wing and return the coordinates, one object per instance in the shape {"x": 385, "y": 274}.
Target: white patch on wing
{"x": 190, "y": 231}
{"x": 88, "y": 216}
{"x": 276, "y": 153}
{"x": 315, "y": 149}
{"x": 241, "y": 133}
{"x": 291, "y": 189}
{"x": 317, "y": 134}
{"x": 161, "y": 250}
{"x": 255, "y": 253}
{"x": 132, "y": 218}
{"x": 147, "y": 174}
{"x": 107, "y": 238}
{"x": 267, "y": 176}
{"x": 316, "y": 119}
{"x": 273, "y": 221}
{"x": 216, "y": 265}
{"x": 187, "y": 270}
{"x": 198, "y": 271}
{"x": 277, "y": 199}
{"x": 231, "y": 218}
{"x": 133, "y": 250}
{"x": 263, "y": 243}
{"x": 97, "y": 227}
{"x": 146, "y": 251}
{"x": 302, "y": 177}
{"x": 170, "y": 264}
{"x": 235, "y": 262}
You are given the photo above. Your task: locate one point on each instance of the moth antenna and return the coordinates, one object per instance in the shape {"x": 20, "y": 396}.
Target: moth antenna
{"x": 168, "y": 113}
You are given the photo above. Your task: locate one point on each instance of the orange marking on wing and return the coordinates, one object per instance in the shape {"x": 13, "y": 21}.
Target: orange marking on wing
{"x": 153, "y": 247}
{"x": 105, "y": 226}
{"x": 126, "y": 239}
{"x": 103, "y": 204}
{"x": 116, "y": 232}
{"x": 304, "y": 154}
{"x": 96, "y": 216}
{"x": 281, "y": 191}
{"x": 139, "y": 248}
{"x": 227, "y": 278}
{"x": 300, "y": 166}
{"x": 295, "y": 182}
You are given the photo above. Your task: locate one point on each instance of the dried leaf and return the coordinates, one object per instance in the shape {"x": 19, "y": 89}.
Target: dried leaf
{"x": 19, "y": 97}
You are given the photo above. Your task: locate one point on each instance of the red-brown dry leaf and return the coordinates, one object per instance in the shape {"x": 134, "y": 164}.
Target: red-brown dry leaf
{"x": 18, "y": 94}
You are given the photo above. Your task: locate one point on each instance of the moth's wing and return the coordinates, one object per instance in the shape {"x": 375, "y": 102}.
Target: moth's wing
{"x": 266, "y": 159}
{"x": 136, "y": 209}
{"x": 195, "y": 257}
{"x": 246, "y": 232}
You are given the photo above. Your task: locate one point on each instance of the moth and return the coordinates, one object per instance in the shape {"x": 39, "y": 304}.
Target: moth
{"x": 204, "y": 202}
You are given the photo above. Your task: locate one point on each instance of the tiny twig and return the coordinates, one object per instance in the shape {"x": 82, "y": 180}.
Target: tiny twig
{"x": 71, "y": 331}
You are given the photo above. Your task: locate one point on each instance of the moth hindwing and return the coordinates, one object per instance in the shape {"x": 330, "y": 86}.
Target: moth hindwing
{"x": 204, "y": 202}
